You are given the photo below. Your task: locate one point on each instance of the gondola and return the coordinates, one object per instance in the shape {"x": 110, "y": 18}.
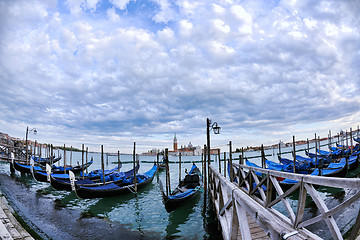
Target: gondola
{"x": 42, "y": 176}
{"x": 61, "y": 183}
{"x": 75, "y": 169}
{"x": 95, "y": 174}
{"x": 47, "y": 160}
{"x": 188, "y": 188}
{"x": 24, "y": 168}
{"x": 112, "y": 189}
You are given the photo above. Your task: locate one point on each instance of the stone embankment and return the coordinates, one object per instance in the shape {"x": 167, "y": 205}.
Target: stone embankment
{"x": 10, "y": 228}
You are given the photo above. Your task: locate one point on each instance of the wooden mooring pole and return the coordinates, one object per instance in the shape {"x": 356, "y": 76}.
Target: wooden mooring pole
{"x": 64, "y": 160}
{"x": 230, "y": 162}
{"x": 102, "y": 163}
{"x": 179, "y": 167}
{"x": 225, "y": 164}
{"x": 134, "y": 160}
{"x": 167, "y": 174}
{"x": 86, "y": 160}
{"x": 82, "y": 161}
{"x": 294, "y": 153}
{"x": 219, "y": 161}
{"x": 205, "y": 177}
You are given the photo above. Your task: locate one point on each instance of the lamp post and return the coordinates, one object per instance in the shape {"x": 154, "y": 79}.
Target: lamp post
{"x": 26, "y": 141}
{"x": 214, "y": 126}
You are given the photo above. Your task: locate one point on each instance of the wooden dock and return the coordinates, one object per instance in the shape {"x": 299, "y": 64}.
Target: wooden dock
{"x": 10, "y": 228}
{"x": 245, "y": 210}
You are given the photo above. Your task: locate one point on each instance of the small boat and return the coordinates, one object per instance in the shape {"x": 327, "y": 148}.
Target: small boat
{"x": 24, "y": 168}
{"x": 42, "y": 176}
{"x": 95, "y": 174}
{"x": 62, "y": 181}
{"x": 47, "y": 160}
{"x": 114, "y": 189}
{"x": 162, "y": 166}
{"x": 188, "y": 188}
{"x": 75, "y": 169}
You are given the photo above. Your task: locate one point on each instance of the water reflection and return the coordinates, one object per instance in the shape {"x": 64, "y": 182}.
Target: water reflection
{"x": 180, "y": 216}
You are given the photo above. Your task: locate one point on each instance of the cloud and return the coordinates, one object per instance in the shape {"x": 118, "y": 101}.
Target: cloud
{"x": 124, "y": 72}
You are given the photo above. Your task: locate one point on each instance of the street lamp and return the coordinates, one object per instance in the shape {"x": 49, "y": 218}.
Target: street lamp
{"x": 215, "y": 127}
{"x": 26, "y": 141}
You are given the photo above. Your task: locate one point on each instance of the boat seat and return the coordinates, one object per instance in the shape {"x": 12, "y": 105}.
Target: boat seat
{"x": 191, "y": 180}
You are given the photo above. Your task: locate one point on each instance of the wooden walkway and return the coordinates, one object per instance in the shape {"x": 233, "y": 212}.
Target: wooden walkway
{"x": 245, "y": 210}
{"x": 10, "y": 228}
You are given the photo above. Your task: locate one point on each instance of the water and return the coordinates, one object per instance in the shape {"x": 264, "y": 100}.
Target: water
{"x": 143, "y": 216}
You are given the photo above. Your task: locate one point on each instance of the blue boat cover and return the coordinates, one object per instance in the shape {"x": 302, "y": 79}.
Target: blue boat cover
{"x": 37, "y": 168}
{"x": 103, "y": 187}
{"x": 184, "y": 194}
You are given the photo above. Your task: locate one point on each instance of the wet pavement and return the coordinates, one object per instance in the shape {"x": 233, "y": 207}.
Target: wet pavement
{"x": 51, "y": 220}
{"x": 10, "y": 228}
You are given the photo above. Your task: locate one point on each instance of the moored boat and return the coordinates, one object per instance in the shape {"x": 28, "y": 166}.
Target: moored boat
{"x": 187, "y": 189}
{"x": 114, "y": 189}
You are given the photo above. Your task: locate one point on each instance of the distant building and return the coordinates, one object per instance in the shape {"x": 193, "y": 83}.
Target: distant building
{"x": 189, "y": 150}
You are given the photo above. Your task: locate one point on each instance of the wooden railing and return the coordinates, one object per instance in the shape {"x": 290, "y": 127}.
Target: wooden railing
{"x": 256, "y": 195}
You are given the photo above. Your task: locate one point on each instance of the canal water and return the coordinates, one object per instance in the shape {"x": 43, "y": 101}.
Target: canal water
{"x": 61, "y": 215}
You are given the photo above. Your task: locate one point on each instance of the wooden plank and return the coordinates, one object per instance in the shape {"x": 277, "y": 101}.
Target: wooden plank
{"x": 331, "y": 212}
{"x": 334, "y": 229}
{"x": 283, "y": 200}
{"x": 351, "y": 183}
{"x": 301, "y": 204}
{"x": 243, "y": 220}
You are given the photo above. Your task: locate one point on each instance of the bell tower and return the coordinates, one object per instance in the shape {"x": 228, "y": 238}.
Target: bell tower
{"x": 175, "y": 143}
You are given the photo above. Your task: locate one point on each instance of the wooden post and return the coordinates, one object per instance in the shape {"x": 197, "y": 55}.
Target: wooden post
{"x": 205, "y": 173}
{"x": 346, "y": 137}
{"x": 319, "y": 143}
{"x": 134, "y": 156}
{"x": 51, "y": 157}
{"x": 26, "y": 149}
{"x": 118, "y": 161}
{"x": 307, "y": 142}
{"x": 40, "y": 152}
{"x": 107, "y": 159}
{"x": 87, "y": 159}
{"x": 231, "y": 168}
{"x": 242, "y": 155}
{"x": 280, "y": 149}
{"x": 351, "y": 141}
{"x": 202, "y": 164}
{"x": 316, "y": 152}
{"x": 71, "y": 156}
{"x": 219, "y": 161}
{"x": 262, "y": 157}
{"x": 167, "y": 176}
{"x": 102, "y": 163}
{"x": 158, "y": 165}
{"x": 205, "y": 177}
{"x": 64, "y": 160}
{"x": 330, "y": 140}
{"x": 82, "y": 160}
{"x": 35, "y": 150}
{"x": 225, "y": 164}
{"x": 179, "y": 167}
{"x": 294, "y": 153}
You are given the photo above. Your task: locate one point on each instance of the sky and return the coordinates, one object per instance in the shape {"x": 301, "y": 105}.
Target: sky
{"x": 115, "y": 72}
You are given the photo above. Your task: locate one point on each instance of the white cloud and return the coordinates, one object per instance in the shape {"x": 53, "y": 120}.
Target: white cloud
{"x": 112, "y": 15}
{"x": 120, "y": 4}
{"x": 252, "y": 67}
